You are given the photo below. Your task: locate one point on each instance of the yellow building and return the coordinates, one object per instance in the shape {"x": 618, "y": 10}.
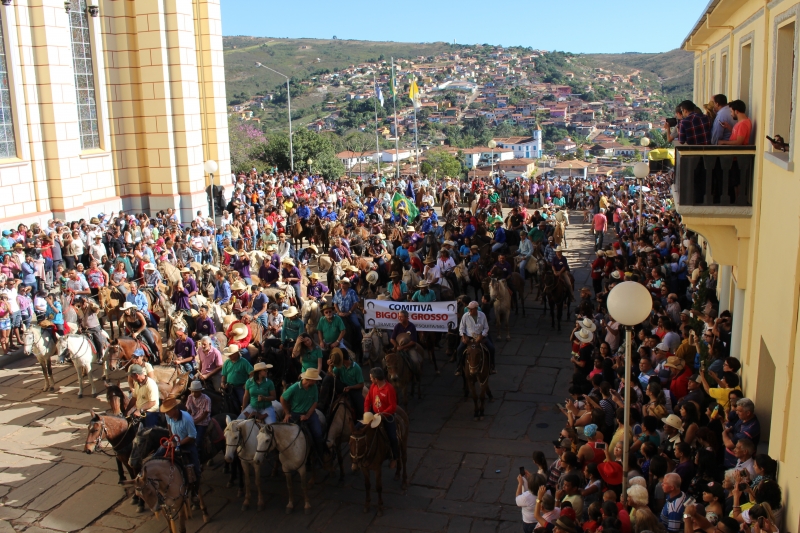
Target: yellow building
{"x": 109, "y": 105}
{"x": 745, "y": 201}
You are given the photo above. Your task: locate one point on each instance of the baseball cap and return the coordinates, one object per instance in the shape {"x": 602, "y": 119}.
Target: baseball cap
{"x": 136, "y": 370}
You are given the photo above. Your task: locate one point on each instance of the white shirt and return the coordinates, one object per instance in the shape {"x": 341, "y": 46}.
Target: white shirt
{"x": 432, "y": 273}
{"x": 97, "y": 251}
{"x": 12, "y": 299}
{"x": 472, "y": 327}
{"x": 446, "y": 265}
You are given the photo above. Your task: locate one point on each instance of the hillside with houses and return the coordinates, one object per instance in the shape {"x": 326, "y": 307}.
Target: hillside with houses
{"x": 514, "y": 109}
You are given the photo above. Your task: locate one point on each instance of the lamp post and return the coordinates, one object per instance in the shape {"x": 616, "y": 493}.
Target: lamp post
{"x": 210, "y": 167}
{"x": 629, "y": 303}
{"x": 309, "y": 165}
{"x": 492, "y": 144}
{"x": 641, "y": 170}
{"x": 289, "y": 102}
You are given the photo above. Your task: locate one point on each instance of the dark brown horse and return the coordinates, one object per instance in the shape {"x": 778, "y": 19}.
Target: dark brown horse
{"x": 300, "y": 232}
{"x": 555, "y": 292}
{"x": 426, "y": 340}
{"x": 477, "y": 368}
{"x": 369, "y": 448}
{"x": 119, "y": 432}
{"x": 120, "y": 351}
{"x": 404, "y": 372}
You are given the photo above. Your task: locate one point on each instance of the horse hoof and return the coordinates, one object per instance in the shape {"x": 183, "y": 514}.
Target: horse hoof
{"x": 307, "y": 511}
{"x": 508, "y": 337}
{"x": 245, "y": 507}
{"x": 206, "y": 518}
{"x": 135, "y": 500}
{"x": 289, "y": 510}
{"x": 51, "y": 389}
{"x": 80, "y": 396}
{"x": 140, "y": 508}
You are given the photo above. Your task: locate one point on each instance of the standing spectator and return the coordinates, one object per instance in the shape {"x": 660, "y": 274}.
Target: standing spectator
{"x": 740, "y": 134}
{"x": 694, "y": 128}
{"x": 672, "y": 513}
{"x": 718, "y": 132}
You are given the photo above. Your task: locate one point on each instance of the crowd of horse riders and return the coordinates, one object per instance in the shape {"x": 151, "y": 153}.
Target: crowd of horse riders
{"x": 252, "y": 331}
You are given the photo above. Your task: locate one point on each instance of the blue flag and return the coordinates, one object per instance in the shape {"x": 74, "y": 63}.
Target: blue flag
{"x": 378, "y": 93}
{"x": 410, "y": 192}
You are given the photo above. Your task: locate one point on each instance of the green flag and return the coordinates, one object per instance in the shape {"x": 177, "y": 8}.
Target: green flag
{"x": 410, "y": 209}
{"x": 393, "y": 85}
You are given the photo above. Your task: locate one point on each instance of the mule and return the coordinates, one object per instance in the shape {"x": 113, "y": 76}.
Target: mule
{"x": 501, "y": 296}
{"x": 405, "y": 371}
{"x": 293, "y": 447}
{"x": 555, "y": 293}
{"x": 369, "y": 448}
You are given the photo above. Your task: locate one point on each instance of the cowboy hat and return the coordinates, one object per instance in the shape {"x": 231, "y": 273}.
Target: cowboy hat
{"x": 351, "y": 268}
{"x": 615, "y": 274}
{"x": 239, "y": 331}
{"x": 312, "y": 248}
{"x": 271, "y": 247}
{"x": 674, "y": 421}
{"x": 149, "y": 266}
{"x": 425, "y": 215}
{"x": 372, "y": 278}
{"x": 498, "y": 222}
{"x": 311, "y": 373}
{"x": 559, "y": 249}
{"x": 287, "y": 261}
{"x": 371, "y": 420}
{"x": 94, "y": 220}
{"x": 328, "y": 305}
{"x": 675, "y": 362}
{"x": 410, "y": 228}
{"x": 259, "y": 366}
{"x": 423, "y": 284}
{"x": 610, "y": 253}
{"x": 238, "y": 285}
{"x": 345, "y": 280}
{"x": 169, "y": 405}
{"x": 185, "y": 270}
{"x": 196, "y": 386}
{"x": 474, "y": 247}
{"x": 395, "y": 274}
{"x": 381, "y": 236}
{"x": 230, "y": 349}
{"x": 315, "y": 276}
{"x": 127, "y": 305}
{"x": 584, "y": 335}
{"x": 290, "y": 312}
{"x": 430, "y": 260}
{"x": 662, "y": 347}
{"x": 230, "y": 251}
{"x": 611, "y": 472}
{"x": 588, "y": 324}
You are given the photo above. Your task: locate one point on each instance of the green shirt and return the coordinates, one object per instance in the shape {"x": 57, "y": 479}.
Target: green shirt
{"x": 536, "y": 235}
{"x": 236, "y": 373}
{"x": 265, "y": 388}
{"x": 300, "y": 399}
{"x": 492, "y": 218}
{"x": 419, "y": 297}
{"x": 349, "y": 376}
{"x": 310, "y": 358}
{"x": 330, "y": 330}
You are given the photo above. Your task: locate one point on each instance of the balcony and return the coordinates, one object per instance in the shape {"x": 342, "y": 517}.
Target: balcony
{"x": 714, "y": 180}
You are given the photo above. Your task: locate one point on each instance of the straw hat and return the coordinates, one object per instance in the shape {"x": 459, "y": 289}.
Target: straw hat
{"x": 287, "y": 261}
{"x": 610, "y": 253}
{"x": 676, "y": 362}
{"x": 291, "y": 312}
{"x": 370, "y": 420}
{"x": 315, "y": 276}
{"x": 559, "y": 249}
{"x": 239, "y": 331}
{"x": 196, "y": 386}
{"x": 423, "y": 284}
{"x": 258, "y": 367}
{"x": 372, "y": 278}
{"x": 169, "y": 405}
{"x": 588, "y": 324}
{"x": 381, "y": 236}
{"x": 674, "y": 421}
{"x": 230, "y": 251}
{"x": 127, "y": 305}
{"x": 410, "y": 228}
{"x": 615, "y": 274}
{"x": 149, "y": 266}
{"x": 430, "y": 260}
{"x": 185, "y": 270}
{"x": 584, "y": 335}
{"x": 312, "y": 248}
{"x": 311, "y": 373}
{"x": 230, "y": 350}
{"x": 238, "y": 285}
{"x": 271, "y": 248}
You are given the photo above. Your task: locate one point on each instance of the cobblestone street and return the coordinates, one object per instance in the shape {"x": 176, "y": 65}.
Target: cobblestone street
{"x": 462, "y": 473}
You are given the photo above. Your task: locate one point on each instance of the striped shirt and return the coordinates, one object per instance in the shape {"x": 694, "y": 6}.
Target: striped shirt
{"x": 672, "y": 513}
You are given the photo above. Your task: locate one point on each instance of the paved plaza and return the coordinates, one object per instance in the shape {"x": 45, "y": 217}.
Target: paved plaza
{"x": 462, "y": 473}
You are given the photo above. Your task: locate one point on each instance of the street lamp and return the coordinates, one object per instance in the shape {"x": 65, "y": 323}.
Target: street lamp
{"x": 289, "y": 102}
{"x": 629, "y": 303}
{"x": 641, "y": 170}
{"x": 309, "y": 165}
{"x": 210, "y": 167}
{"x": 492, "y": 144}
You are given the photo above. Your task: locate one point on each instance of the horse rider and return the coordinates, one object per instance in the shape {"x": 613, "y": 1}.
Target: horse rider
{"x": 348, "y": 379}
{"x": 561, "y": 270}
{"x": 432, "y": 275}
{"x": 190, "y": 286}
{"x": 268, "y": 275}
{"x": 293, "y": 327}
{"x": 446, "y": 266}
{"x": 525, "y": 252}
{"x": 222, "y": 292}
{"x": 562, "y": 221}
{"x": 240, "y": 297}
{"x": 145, "y": 391}
{"x": 424, "y": 294}
{"x": 235, "y": 372}
{"x": 315, "y": 290}
{"x": 346, "y": 301}
{"x": 382, "y": 400}
{"x": 291, "y": 275}
{"x": 299, "y": 402}
{"x": 90, "y": 325}
{"x": 152, "y": 277}
{"x": 185, "y": 350}
{"x": 499, "y": 237}
{"x": 209, "y": 364}
{"x": 140, "y": 301}
{"x": 377, "y": 250}
{"x": 474, "y": 327}
{"x": 397, "y": 288}
{"x": 182, "y": 431}
{"x": 330, "y": 329}
{"x": 259, "y": 393}
{"x": 203, "y": 324}
{"x": 137, "y": 358}
{"x": 136, "y": 324}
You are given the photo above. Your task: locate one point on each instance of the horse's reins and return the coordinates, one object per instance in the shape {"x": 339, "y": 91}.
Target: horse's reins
{"x": 475, "y": 370}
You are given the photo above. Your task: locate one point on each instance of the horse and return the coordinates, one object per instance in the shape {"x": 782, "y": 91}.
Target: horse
{"x": 518, "y": 283}
{"x": 311, "y": 312}
{"x": 119, "y": 432}
{"x": 341, "y": 426}
{"x": 426, "y": 340}
{"x": 372, "y": 347}
{"x": 299, "y": 232}
{"x": 123, "y": 348}
{"x": 369, "y": 449}
{"x": 477, "y": 367}
{"x": 476, "y": 277}
{"x": 241, "y": 439}
{"x": 556, "y": 293}
{"x": 79, "y": 349}
{"x": 293, "y": 447}
{"x": 411, "y": 279}
{"x": 110, "y": 299}
{"x": 405, "y": 371}
{"x": 501, "y": 296}
{"x": 44, "y": 348}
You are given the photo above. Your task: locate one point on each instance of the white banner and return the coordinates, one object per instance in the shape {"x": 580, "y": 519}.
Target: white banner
{"x": 426, "y": 316}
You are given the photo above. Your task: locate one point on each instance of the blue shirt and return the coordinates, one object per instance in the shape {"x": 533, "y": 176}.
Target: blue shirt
{"x": 371, "y": 205}
{"x": 331, "y": 216}
{"x": 403, "y": 255}
{"x": 672, "y": 513}
{"x": 259, "y": 302}
{"x": 347, "y": 302}
{"x": 28, "y": 273}
{"x": 718, "y": 133}
{"x": 139, "y": 300}
{"x": 183, "y": 427}
{"x": 500, "y": 235}
{"x": 303, "y": 212}
{"x": 223, "y": 292}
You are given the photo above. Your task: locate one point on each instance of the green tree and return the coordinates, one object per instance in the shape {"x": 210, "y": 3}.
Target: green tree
{"x": 443, "y": 162}
{"x": 306, "y": 144}
{"x": 657, "y": 139}
{"x": 426, "y": 168}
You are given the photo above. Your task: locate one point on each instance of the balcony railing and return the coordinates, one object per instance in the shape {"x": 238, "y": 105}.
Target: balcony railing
{"x": 714, "y": 176}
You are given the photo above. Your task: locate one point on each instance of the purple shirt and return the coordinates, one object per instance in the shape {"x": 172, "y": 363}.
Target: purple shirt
{"x": 190, "y": 285}
{"x": 268, "y": 273}
{"x": 205, "y": 326}
{"x": 184, "y": 348}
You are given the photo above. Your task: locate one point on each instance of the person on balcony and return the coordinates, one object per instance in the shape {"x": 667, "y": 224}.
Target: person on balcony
{"x": 740, "y": 132}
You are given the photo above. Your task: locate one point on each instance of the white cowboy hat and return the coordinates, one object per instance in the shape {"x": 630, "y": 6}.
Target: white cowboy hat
{"x": 127, "y": 305}
{"x": 410, "y": 228}
{"x": 230, "y": 349}
{"x": 149, "y": 266}
{"x": 185, "y": 270}
{"x": 422, "y": 284}
{"x": 584, "y": 335}
{"x": 559, "y": 249}
{"x": 272, "y": 247}
{"x": 315, "y": 276}
{"x": 289, "y": 313}
{"x": 588, "y": 324}
{"x": 371, "y": 420}
{"x": 239, "y": 331}
{"x": 674, "y": 421}
{"x": 372, "y": 277}
{"x": 230, "y": 251}
{"x": 312, "y": 248}
{"x": 287, "y": 261}
{"x": 311, "y": 373}
{"x": 615, "y": 274}
{"x": 238, "y": 285}
{"x": 260, "y": 366}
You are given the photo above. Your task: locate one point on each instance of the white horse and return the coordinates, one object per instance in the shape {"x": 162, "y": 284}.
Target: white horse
{"x": 241, "y": 438}
{"x": 498, "y": 292}
{"x": 292, "y": 447}
{"x": 411, "y": 279}
{"x": 79, "y": 349}
{"x": 43, "y": 347}
{"x": 372, "y": 344}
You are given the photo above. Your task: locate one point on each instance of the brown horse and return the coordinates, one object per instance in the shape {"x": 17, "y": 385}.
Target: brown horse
{"x": 369, "y": 449}
{"x": 110, "y": 299}
{"x": 426, "y": 340}
{"x": 555, "y": 292}
{"x": 120, "y": 351}
{"x": 340, "y": 427}
{"x": 477, "y": 368}
{"x": 404, "y": 371}
{"x": 120, "y": 434}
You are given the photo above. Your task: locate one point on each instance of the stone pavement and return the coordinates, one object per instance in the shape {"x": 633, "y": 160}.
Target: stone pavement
{"x": 462, "y": 473}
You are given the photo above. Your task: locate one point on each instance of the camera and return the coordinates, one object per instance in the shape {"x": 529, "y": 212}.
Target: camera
{"x": 742, "y": 487}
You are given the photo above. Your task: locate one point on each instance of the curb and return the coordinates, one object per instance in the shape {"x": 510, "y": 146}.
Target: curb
{"x": 11, "y": 358}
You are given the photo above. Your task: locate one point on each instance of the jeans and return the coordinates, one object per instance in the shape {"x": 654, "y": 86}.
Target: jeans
{"x": 34, "y": 285}
{"x": 95, "y": 334}
{"x": 598, "y": 239}
{"x": 248, "y": 280}
{"x": 198, "y": 256}
{"x": 496, "y": 246}
{"x": 298, "y": 294}
{"x": 27, "y": 317}
{"x": 201, "y": 434}
{"x": 522, "y": 267}
{"x": 314, "y": 427}
{"x": 237, "y": 391}
{"x": 269, "y": 411}
{"x": 262, "y": 319}
{"x": 151, "y": 419}
{"x": 391, "y": 431}
{"x": 461, "y": 352}
{"x": 16, "y": 319}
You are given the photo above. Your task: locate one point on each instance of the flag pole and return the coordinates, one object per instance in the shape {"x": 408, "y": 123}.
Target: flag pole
{"x": 396, "y": 125}
{"x": 416, "y": 129}
{"x": 377, "y": 142}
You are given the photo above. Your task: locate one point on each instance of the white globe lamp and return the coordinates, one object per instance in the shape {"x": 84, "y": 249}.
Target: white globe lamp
{"x": 645, "y": 141}
{"x": 210, "y": 166}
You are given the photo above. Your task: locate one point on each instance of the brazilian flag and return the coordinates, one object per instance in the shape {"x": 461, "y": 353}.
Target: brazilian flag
{"x": 411, "y": 209}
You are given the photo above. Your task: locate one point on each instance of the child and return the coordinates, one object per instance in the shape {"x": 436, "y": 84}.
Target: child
{"x": 62, "y": 278}
{"x": 274, "y": 321}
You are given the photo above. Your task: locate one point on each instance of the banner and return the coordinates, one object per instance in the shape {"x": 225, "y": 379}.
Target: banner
{"x": 426, "y": 316}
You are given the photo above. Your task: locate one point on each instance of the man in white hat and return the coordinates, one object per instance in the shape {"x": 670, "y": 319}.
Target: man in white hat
{"x": 235, "y": 372}
{"x": 145, "y": 391}
{"x": 473, "y": 328}
{"x": 152, "y": 277}
{"x": 291, "y": 275}
{"x": 299, "y": 402}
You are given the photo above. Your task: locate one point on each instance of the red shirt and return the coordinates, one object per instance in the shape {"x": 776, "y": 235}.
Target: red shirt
{"x": 240, "y": 343}
{"x": 381, "y": 399}
{"x": 680, "y": 384}
{"x": 598, "y": 264}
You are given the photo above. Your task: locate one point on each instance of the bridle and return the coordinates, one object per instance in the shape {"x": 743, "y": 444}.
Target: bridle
{"x": 477, "y": 370}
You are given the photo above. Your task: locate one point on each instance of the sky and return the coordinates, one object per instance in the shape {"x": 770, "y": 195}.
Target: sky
{"x": 579, "y": 26}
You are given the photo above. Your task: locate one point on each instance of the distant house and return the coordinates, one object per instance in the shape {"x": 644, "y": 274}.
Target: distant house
{"x": 392, "y": 156}
{"x": 523, "y": 147}
{"x": 566, "y": 146}
{"x": 482, "y": 156}
{"x": 351, "y": 159}
{"x": 522, "y": 165}
{"x": 573, "y": 168}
